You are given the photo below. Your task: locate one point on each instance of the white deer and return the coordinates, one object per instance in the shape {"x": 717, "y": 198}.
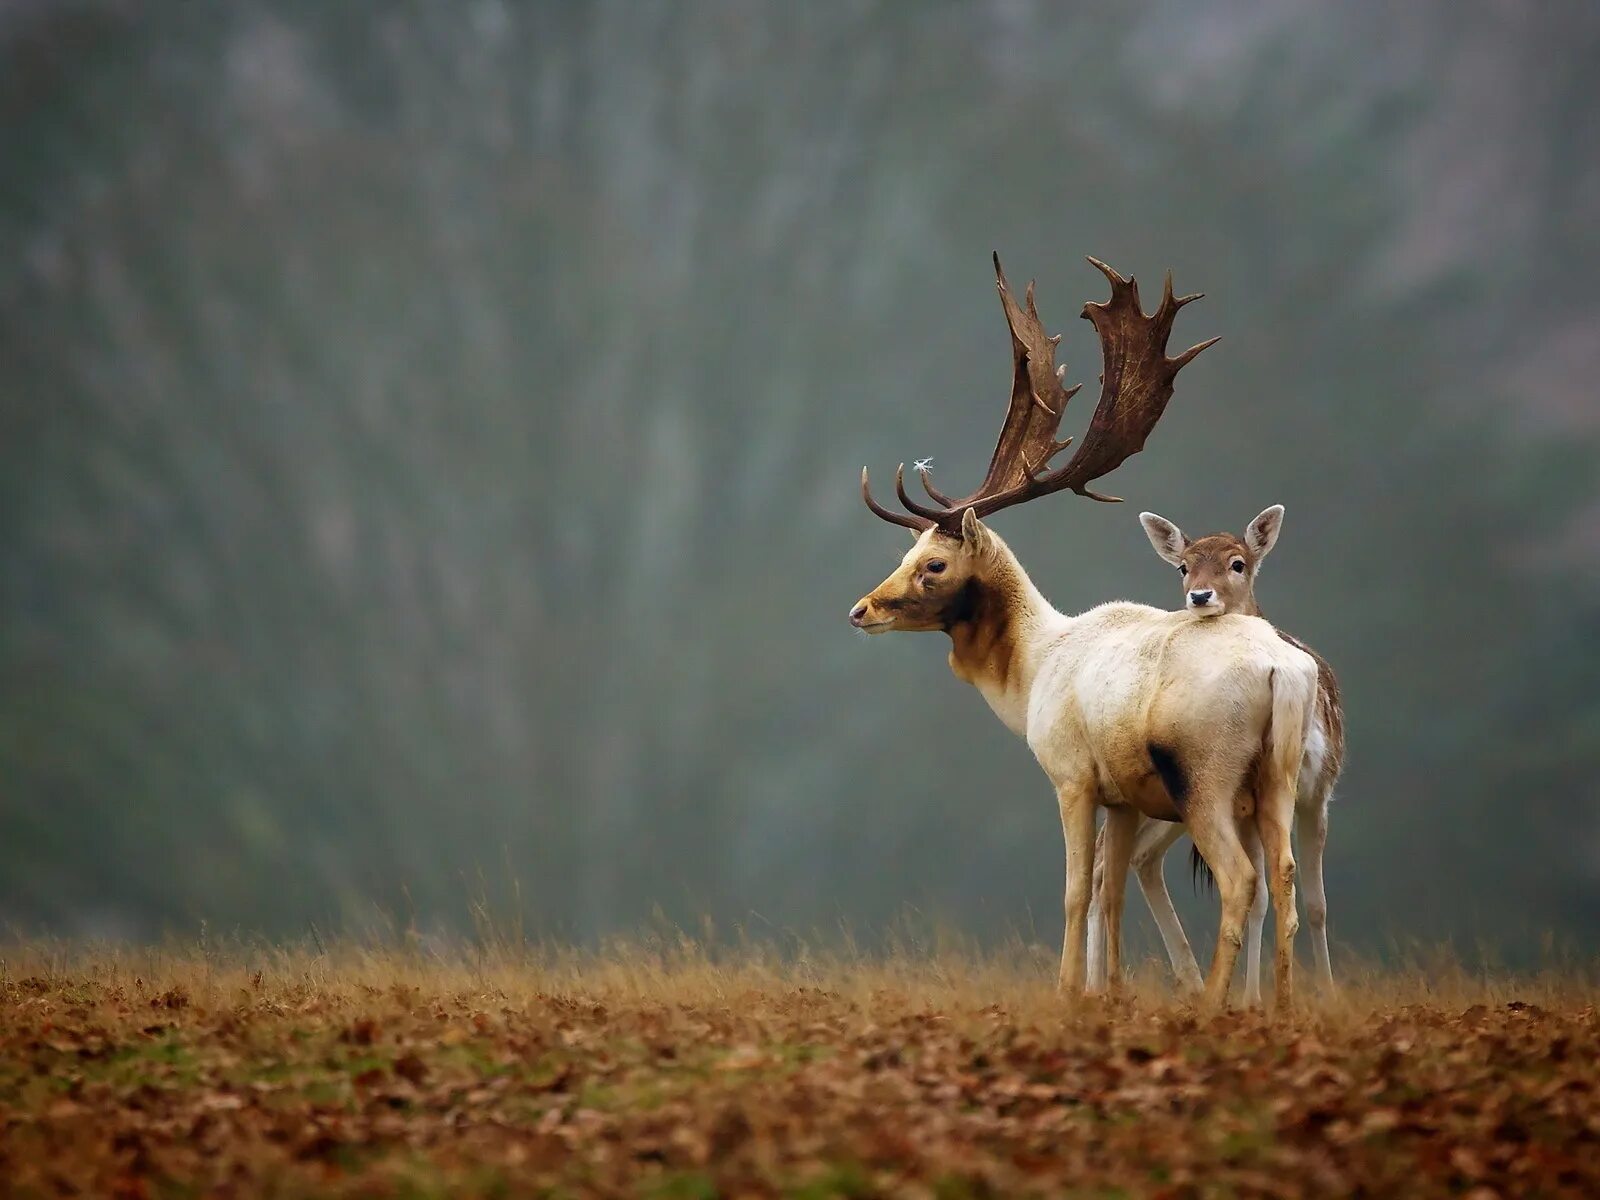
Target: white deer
{"x": 1219, "y": 574}
{"x": 1150, "y": 714}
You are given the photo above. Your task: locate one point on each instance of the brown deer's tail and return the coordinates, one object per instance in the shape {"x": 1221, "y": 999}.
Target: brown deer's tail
{"x": 1200, "y": 870}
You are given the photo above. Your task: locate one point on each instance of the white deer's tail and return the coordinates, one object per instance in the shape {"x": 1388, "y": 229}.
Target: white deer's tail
{"x": 1294, "y": 702}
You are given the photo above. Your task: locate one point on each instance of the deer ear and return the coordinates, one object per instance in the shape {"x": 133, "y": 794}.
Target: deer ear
{"x": 1166, "y": 537}
{"x": 1262, "y": 534}
{"x": 972, "y": 531}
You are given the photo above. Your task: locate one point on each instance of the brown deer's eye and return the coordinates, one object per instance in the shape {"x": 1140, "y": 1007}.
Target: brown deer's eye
{"x": 1183, "y": 568}
{"x": 936, "y": 567}
{"x": 1238, "y": 565}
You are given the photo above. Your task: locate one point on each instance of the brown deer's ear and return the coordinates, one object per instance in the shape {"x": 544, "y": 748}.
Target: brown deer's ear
{"x": 1166, "y": 537}
{"x": 1262, "y": 533}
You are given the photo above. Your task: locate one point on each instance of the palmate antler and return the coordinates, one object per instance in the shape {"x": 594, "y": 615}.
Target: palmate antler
{"x": 1136, "y": 383}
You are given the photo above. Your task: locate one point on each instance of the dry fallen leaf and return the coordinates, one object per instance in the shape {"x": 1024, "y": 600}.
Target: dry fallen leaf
{"x": 738, "y": 1082}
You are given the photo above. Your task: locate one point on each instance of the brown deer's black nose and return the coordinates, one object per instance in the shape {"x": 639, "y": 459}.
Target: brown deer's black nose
{"x": 1200, "y": 598}
{"x": 858, "y": 612}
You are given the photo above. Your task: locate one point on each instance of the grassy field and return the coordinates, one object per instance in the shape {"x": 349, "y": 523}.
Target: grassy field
{"x": 662, "y": 1070}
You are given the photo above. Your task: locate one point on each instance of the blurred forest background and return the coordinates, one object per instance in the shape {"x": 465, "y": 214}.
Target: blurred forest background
{"x": 429, "y": 441}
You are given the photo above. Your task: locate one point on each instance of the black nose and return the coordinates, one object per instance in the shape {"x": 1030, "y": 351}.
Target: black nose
{"x": 1199, "y": 598}
{"x": 858, "y": 612}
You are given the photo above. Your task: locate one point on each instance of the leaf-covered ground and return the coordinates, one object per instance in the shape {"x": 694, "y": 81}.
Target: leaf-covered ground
{"x": 650, "y": 1075}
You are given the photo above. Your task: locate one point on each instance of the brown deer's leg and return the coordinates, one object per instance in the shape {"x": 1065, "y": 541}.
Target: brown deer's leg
{"x": 1312, "y": 821}
{"x": 1257, "y": 918}
{"x": 1077, "y": 827}
{"x": 1216, "y": 835}
{"x": 1120, "y": 827}
{"x": 1150, "y": 848}
{"x": 1097, "y": 913}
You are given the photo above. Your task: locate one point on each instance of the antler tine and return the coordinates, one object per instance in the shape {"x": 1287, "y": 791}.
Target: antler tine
{"x": 1110, "y": 273}
{"x": 1119, "y": 285}
{"x": 1055, "y": 448}
{"x": 1189, "y": 355}
{"x": 1179, "y": 302}
{"x": 888, "y": 514}
{"x": 933, "y": 514}
{"x": 934, "y": 493}
{"x": 1169, "y": 311}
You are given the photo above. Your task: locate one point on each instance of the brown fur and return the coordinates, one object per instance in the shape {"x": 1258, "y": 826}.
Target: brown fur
{"x": 1330, "y": 705}
{"x": 982, "y": 642}
{"x": 972, "y": 600}
{"x": 1207, "y": 559}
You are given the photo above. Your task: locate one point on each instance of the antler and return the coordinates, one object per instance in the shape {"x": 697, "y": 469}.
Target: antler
{"x": 1136, "y": 384}
{"x": 1038, "y": 401}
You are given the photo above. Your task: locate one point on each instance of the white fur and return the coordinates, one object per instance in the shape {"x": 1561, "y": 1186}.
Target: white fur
{"x": 1316, "y": 752}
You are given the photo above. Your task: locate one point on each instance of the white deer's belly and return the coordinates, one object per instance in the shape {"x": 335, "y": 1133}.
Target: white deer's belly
{"x": 1098, "y": 732}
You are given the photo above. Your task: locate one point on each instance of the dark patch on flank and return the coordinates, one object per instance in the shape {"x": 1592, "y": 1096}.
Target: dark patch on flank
{"x": 1172, "y": 777}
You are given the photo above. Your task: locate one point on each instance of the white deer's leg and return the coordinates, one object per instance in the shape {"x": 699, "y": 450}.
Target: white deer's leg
{"x": 1077, "y": 827}
{"x": 1256, "y": 920}
{"x": 1097, "y": 910}
{"x": 1119, "y": 829}
{"x": 1274, "y": 815}
{"x": 1216, "y": 834}
{"x": 1150, "y": 848}
{"x": 1312, "y": 819}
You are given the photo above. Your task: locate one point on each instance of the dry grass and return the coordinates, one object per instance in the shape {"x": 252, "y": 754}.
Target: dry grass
{"x": 663, "y": 1068}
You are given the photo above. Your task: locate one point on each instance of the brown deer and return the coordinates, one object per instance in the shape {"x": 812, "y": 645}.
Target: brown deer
{"x": 1151, "y": 714}
{"x": 1219, "y": 574}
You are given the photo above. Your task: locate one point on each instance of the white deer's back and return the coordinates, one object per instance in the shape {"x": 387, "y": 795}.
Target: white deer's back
{"x": 1123, "y": 678}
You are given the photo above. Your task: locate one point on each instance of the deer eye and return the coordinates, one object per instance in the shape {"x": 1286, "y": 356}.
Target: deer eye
{"x": 1238, "y": 565}
{"x": 1183, "y": 568}
{"x": 936, "y": 567}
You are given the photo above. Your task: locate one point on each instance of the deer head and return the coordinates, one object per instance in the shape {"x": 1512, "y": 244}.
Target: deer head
{"x": 934, "y": 585}
{"x": 1218, "y": 570}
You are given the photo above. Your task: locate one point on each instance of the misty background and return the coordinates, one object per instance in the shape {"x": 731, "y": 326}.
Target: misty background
{"x": 430, "y": 432}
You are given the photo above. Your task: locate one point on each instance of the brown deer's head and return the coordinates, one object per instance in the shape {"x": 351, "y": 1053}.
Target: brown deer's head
{"x": 1218, "y": 570}
{"x": 937, "y": 583}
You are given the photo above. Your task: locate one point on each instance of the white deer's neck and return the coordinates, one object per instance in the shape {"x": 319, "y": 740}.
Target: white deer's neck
{"x": 999, "y": 633}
